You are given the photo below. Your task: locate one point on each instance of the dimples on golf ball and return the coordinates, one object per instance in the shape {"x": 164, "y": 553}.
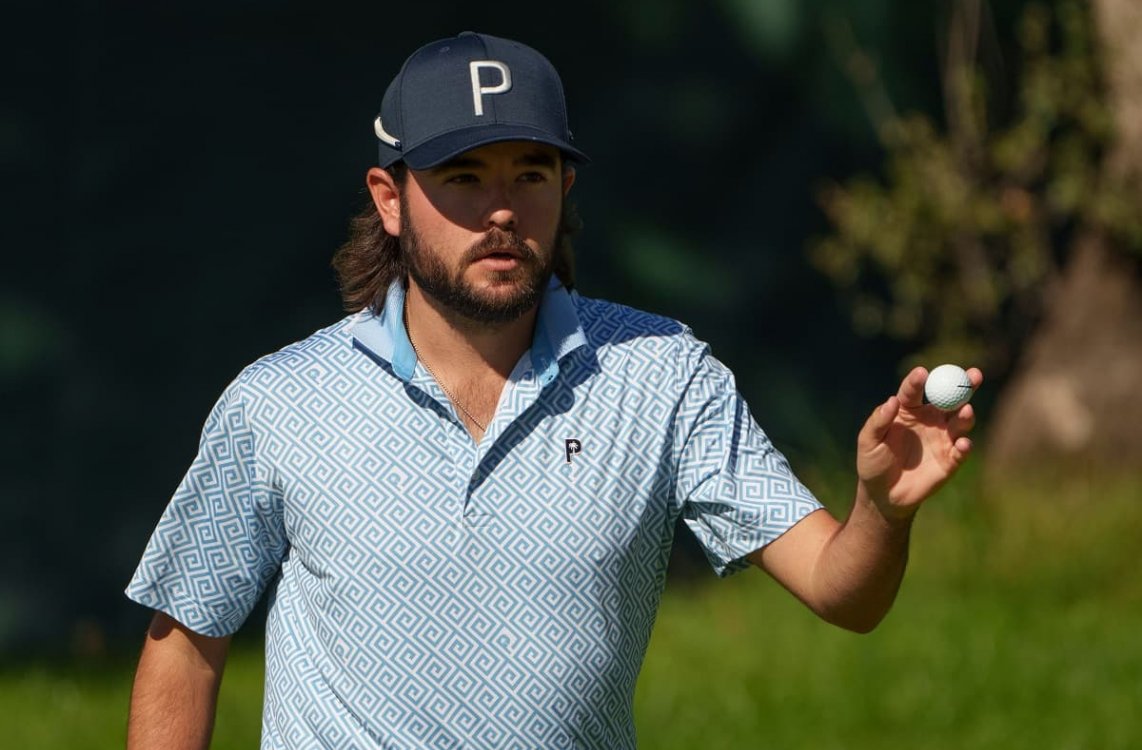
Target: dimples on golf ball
{"x": 948, "y": 387}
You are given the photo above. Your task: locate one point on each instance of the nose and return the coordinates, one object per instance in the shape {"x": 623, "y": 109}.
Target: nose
{"x": 501, "y": 213}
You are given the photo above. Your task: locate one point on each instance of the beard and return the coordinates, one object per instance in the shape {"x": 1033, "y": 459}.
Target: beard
{"x": 511, "y": 294}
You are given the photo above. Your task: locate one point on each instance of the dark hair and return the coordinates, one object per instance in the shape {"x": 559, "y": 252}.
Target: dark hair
{"x": 371, "y": 259}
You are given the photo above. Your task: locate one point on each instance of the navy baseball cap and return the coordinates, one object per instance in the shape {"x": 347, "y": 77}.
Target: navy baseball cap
{"x": 456, "y": 94}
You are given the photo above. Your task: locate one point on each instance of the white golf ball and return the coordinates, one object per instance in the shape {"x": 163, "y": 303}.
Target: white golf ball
{"x": 948, "y": 387}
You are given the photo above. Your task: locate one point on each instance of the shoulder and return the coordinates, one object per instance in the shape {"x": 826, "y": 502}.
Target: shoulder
{"x": 621, "y": 333}
{"x": 305, "y": 375}
{"x": 311, "y": 360}
{"x": 607, "y": 323}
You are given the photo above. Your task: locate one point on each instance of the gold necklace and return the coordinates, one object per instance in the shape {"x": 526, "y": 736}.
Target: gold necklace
{"x": 439, "y": 382}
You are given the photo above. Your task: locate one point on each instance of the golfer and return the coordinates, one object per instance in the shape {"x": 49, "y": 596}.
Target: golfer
{"x": 460, "y": 499}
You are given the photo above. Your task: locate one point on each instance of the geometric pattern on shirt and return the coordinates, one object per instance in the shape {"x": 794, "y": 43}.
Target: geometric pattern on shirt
{"x": 425, "y": 593}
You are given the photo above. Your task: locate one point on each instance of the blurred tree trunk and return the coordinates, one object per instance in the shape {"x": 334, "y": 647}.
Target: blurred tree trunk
{"x": 1075, "y": 395}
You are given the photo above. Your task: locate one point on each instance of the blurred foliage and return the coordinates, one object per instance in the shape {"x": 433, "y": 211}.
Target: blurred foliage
{"x": 952, "y": 249}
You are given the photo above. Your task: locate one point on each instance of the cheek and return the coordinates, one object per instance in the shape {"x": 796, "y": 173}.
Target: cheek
{"x": 431, "y": 226}
{"x": 544, "y": 212}
{"x": 456, "y": 212}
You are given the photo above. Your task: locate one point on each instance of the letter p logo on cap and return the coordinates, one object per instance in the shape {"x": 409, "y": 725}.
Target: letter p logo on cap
{"x": 478, "y": 90}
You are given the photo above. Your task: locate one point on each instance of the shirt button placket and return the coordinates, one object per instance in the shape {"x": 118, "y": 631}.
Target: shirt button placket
{"x": 455, "y": 442}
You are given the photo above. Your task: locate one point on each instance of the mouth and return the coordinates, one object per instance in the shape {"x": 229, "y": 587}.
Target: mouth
{"x": 501, "y": 259}
{"x": 502, "y": 253}
{"x": 499, "y": 262}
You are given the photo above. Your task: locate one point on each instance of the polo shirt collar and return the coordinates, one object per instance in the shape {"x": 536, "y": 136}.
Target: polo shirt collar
{"x": 557, "y": 333}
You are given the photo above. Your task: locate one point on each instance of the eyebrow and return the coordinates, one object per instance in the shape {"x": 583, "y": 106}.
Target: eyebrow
{"x": 537, "y": 159}
{"x": 530, "y": 159}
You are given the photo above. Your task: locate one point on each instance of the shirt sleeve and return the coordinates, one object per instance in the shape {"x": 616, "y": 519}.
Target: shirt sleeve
{"x": 737, "y": 492}
{"x": 221, "y": 539}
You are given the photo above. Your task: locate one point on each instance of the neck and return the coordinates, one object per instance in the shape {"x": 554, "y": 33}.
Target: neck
{"x": 462, "y": 344}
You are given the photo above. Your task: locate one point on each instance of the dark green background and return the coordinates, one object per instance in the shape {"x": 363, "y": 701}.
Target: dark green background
{"x": 178, "y": 175}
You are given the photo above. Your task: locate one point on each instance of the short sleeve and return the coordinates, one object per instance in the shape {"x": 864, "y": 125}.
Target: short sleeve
{"x": 221, "y": 539}
{"x": 736, "y": 491}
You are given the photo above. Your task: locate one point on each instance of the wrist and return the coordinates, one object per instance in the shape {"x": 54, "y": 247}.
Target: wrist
{"x": 881, "y": 505}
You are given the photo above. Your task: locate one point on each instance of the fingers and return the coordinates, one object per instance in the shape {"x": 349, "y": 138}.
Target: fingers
{"x": 911, "y": 393}
{"x": 960, "y": 449}
{"x": 962, "y": 422}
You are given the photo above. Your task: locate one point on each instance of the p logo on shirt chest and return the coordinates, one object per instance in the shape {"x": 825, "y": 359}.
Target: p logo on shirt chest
{"x": 572, "y": 447}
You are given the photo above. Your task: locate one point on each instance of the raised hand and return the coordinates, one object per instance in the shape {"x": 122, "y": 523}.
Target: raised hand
{"x": 907, "y": 449}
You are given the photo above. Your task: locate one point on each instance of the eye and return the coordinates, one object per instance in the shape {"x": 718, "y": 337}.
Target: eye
{"x": 463, "y": 178}
{"x": 533, "y": 177}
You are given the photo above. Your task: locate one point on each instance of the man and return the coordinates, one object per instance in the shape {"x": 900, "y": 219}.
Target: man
{"x": 461, "y": 498}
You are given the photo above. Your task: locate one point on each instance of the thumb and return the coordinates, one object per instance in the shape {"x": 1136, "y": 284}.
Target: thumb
{"x": 876, "y": 426}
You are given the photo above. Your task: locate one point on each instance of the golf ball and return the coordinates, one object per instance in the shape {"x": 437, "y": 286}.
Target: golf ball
{"x": 948, "y": 387}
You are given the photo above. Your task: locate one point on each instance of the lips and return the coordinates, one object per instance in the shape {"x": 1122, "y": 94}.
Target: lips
{"x": 500, "y": 248}
{"x": 502, "y": 253}
{"x": 500, "y": 261}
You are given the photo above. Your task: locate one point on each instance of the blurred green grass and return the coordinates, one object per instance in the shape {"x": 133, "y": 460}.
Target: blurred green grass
{"x": 1018, "y": 627}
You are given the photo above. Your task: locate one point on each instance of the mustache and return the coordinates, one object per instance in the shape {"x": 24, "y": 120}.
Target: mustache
{"x": 497, "y": 241}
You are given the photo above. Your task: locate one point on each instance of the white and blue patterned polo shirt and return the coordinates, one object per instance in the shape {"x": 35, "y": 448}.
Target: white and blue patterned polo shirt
{"x": 427, "y": 591}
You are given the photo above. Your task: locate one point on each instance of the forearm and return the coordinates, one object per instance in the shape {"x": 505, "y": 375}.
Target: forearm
{"x": 176, "y": 688}
{"x": 859, "y": 568}
{"x": 849, "y": 573}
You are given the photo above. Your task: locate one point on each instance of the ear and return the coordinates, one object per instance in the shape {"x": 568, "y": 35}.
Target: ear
{"x": 568, "y": 179}
{"x": 386, "y": 197}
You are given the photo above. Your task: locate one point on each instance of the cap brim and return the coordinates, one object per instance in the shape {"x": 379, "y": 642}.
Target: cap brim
{"x": 443, "y": 147}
